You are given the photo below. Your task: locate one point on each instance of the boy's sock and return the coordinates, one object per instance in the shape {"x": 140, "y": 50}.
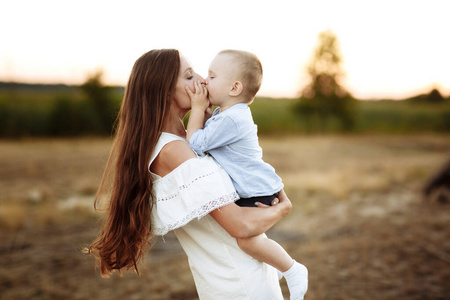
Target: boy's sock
{"x": 297, "y": 280}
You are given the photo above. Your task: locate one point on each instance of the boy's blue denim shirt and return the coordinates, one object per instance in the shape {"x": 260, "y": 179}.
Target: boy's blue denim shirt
{"x": 231, "y": 138}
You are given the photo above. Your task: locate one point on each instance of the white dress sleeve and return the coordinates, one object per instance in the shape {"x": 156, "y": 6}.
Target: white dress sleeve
{"x": 192, "y": 190}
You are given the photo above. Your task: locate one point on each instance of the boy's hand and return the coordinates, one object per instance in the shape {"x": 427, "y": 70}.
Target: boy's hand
{"x": 199, "y": 108}
{"x": 199, "y": 98}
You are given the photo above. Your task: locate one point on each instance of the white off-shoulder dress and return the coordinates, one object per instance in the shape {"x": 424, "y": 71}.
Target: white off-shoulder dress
{"x": 183, "y": 200}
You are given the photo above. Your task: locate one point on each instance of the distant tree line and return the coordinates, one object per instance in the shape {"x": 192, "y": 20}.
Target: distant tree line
{"x": 36, "y": 87}
{"x": 88, "y": 109}
{"x": 434, "y": 96}
{"x": 95, "y": 115}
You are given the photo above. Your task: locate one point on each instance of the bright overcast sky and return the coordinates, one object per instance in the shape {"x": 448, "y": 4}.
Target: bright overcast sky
{"x": 391, "y": 48}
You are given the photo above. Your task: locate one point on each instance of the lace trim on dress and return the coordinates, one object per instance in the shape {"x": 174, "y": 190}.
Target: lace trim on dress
{"x": 197, "y": 213}
{"x": 184, "y": 186}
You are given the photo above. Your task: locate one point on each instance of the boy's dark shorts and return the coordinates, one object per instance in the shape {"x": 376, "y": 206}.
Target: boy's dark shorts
{"x": 250, "y": 202}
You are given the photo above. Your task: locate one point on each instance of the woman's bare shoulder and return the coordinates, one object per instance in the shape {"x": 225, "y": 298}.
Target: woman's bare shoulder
{"x": 171, "y": 156}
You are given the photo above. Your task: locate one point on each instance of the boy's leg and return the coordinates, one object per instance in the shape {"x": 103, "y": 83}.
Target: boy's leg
{"x": 266, "y": 250}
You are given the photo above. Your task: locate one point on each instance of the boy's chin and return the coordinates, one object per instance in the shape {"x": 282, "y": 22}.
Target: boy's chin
{"x": 212, "y": 101}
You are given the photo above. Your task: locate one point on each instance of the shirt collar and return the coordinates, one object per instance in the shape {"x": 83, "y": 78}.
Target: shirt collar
{"x": 235, "y": 106}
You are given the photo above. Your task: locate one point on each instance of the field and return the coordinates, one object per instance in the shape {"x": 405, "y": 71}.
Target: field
{"x": 359, "y": 222}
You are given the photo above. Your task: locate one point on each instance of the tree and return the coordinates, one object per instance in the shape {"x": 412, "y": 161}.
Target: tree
{"x": 435, "y": 96}
{"x": 99, "y": 97}
{"x": 323, "y": 101}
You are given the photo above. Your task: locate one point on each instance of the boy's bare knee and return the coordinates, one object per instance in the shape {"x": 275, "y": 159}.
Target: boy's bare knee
{"x": 245, "y": 243}
{"x": 250, "y": 244}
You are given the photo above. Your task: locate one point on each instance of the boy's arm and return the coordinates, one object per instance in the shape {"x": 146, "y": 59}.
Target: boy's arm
{"x": 199, "y": 107}
{"x": 220, "y": 131}
{"x": 196, "y": 119}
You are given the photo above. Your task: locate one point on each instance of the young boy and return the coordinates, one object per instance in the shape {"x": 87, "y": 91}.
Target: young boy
{"x": 230, "y": 136}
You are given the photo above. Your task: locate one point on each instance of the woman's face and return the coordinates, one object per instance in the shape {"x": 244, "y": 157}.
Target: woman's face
{"x": 186, "y": 77}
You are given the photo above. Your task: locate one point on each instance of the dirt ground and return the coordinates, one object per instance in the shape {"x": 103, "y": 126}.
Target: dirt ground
{"x": 359, "y": 222}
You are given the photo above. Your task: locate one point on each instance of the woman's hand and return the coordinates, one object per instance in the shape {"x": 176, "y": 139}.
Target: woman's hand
{"x": 275, "y": 201}
{"x": 243, "y": 222}
{"x": 283, "y": 203}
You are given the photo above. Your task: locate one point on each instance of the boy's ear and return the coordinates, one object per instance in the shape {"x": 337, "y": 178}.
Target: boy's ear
{"x": 236, "y": 89}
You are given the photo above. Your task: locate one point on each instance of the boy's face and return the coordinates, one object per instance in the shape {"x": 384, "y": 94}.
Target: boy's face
{"x": 220, "y": 79}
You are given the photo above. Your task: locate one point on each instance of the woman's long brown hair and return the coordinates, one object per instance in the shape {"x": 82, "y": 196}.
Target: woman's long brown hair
{"x": 126, "y": 180}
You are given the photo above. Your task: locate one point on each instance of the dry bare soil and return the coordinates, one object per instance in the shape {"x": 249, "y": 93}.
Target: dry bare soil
{"x": 359, "y": 222}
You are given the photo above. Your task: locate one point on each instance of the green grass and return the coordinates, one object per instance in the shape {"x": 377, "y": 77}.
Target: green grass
{"x": 403, "y": 117}
{"x": 275, "y": 116}
{"x": 278, "y": 116}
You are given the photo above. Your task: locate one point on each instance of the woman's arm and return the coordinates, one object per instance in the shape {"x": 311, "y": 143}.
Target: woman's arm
{"x": 239, "y": 222}
{"x": 243, "y": 222}
{"x": 171, "y": 156}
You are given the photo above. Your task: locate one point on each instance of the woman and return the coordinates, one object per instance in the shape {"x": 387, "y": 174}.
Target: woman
{"x": 159, "y": 184}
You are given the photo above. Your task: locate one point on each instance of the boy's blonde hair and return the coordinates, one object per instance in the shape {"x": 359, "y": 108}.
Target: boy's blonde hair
{"x": 250, "y": 71}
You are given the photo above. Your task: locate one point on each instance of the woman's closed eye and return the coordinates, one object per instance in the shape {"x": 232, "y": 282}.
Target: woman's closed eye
{"x": 189, "y": 75}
